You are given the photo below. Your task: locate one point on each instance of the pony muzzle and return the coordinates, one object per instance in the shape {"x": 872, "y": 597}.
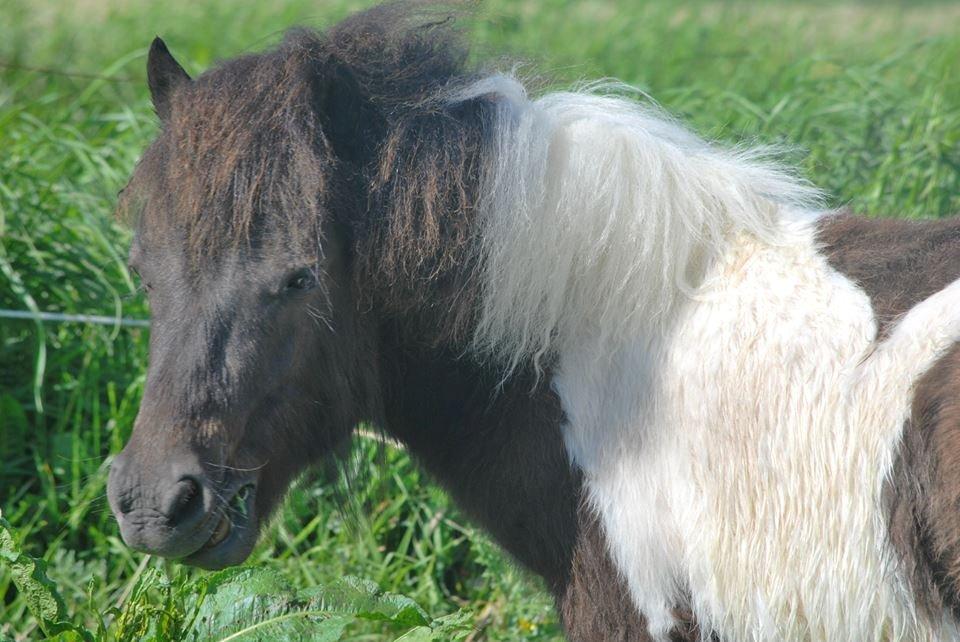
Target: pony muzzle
{"x": 176, "y": 510}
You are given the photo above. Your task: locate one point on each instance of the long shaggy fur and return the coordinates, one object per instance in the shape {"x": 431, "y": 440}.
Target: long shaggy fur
{"x": 598, "y": 212}
{"x": 725, "y": 393}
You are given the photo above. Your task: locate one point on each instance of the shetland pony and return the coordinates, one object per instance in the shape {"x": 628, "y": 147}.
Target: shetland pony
{"x": 656, "y": 370}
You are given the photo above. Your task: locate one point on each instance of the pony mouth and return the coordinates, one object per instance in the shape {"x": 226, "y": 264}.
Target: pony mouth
{"x": 232, "y": 534}
{"x": 220, "y": 533}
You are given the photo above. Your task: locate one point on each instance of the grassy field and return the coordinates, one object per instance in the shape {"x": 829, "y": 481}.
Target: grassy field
{"x": 866, "y": 96}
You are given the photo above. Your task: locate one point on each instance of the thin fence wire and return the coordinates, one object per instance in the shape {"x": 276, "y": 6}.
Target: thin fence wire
{"x": 57, "y": 317}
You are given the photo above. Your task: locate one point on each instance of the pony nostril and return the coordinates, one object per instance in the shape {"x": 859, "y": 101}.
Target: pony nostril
{"x": 190, "y": 491}
{"x": 124, "y": 505}
{"x": 185, "y": 501}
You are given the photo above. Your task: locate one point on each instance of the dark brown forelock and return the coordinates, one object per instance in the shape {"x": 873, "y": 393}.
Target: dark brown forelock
{"x": 245, "y": 145}
{"x": 241, "y": 154}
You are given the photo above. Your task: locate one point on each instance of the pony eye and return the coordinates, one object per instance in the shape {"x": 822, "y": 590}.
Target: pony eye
{"x": 300, "y": 280}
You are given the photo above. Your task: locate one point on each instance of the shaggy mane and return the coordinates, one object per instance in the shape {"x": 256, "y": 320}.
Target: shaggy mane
{"x": 522, "y": 221}
{"x": 599, "y": 214}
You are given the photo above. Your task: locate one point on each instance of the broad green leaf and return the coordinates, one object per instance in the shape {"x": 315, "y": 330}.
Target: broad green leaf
{"x": 448, "y": 628}
{"x": 364, "y": 599}
{"x": 260, "y": 604}
{"x": 30, "y": 577}
{"x": 293, "y": 626}
{"x": 418, "y": 634}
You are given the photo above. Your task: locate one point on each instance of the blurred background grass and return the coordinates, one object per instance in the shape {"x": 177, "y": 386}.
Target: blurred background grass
{"x": 866, "y": 95}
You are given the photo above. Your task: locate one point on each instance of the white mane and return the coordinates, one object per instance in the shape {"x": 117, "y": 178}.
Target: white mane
{"x": 597, "y": 212}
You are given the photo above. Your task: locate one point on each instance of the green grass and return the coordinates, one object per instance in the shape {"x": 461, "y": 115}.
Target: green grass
{"x": 866, "y": 96}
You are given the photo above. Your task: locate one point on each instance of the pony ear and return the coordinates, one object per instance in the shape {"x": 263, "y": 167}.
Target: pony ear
{"x": 164, "y": 73}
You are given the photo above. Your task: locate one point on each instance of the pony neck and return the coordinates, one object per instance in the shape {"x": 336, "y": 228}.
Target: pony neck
{"x": 498, "y": 450}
